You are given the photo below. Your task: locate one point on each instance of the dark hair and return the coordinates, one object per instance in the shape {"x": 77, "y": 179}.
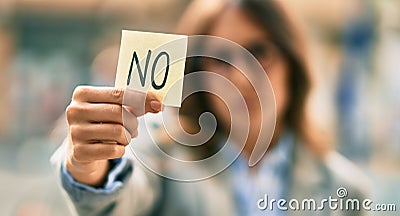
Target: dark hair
{"x": 269, "y": 16}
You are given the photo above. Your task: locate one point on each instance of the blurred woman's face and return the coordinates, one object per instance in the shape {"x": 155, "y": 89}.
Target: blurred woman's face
{"x": 235, "y": 25}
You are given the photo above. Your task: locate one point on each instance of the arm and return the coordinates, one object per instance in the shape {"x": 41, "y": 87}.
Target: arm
{"x": 129, "y": 189}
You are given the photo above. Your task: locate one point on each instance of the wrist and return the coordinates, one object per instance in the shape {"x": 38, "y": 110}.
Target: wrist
{"x": 91, "y": 173}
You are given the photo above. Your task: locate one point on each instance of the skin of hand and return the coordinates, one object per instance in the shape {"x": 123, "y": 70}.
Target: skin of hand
{"x": 101, "y": 123}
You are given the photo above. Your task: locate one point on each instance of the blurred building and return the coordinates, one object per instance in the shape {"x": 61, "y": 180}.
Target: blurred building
{"x": 46, "y": 49}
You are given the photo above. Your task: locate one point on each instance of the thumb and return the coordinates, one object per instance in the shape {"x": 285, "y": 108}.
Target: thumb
{"x": 139, "y": 103}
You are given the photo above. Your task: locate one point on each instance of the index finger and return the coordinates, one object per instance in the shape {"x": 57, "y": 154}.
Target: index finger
{"x": 136, "y": 102}
{"x": 94, "y": 94}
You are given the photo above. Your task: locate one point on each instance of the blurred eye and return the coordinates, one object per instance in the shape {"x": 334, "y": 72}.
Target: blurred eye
{"x": 259, "y": 50}
{"x": 220, "y": 58}
{"x": 223, "y": 55}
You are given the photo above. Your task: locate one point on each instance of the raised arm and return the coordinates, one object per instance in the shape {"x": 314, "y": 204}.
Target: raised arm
{"x": 101, "y": 123}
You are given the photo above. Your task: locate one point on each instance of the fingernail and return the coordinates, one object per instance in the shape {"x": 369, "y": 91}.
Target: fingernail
{"x": 155, "y": 105}
{"x": 135, "y": 134}
{"x": 128, "y": 135}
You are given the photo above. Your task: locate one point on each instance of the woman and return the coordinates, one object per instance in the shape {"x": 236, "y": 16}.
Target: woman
{"x": 100, "y": 181}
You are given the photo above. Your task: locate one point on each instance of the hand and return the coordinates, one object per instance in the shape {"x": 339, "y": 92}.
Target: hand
{"x": 99, "y": 128}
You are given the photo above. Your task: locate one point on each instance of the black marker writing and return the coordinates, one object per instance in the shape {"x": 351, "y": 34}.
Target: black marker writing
{"x": 142, "y": 75}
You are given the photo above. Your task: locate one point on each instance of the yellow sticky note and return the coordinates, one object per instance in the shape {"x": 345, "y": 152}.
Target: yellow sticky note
{"x": 153, "y": 62}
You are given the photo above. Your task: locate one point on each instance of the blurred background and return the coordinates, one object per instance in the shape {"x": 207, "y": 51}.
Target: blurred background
{"x": 48, "y": 47}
